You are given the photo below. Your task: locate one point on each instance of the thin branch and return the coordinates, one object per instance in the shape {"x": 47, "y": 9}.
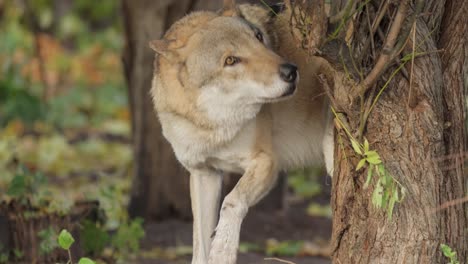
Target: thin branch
{"x": 350, "y": 6}
{"x": 412, "y": 66}
{"x": 323, "y": 80}
{"x": 373, "y": 29}
{"x": 386, "y": 54}
{"x": 379, "y": 18}
{"x": 405, "y": 32}
{"x": 371, "y": 36}
{"x": 450, "y": 204}
{"x": 280, "y": 260}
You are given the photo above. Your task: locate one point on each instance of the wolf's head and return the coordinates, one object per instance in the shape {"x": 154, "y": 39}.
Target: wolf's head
{"x": 219, "y": 67}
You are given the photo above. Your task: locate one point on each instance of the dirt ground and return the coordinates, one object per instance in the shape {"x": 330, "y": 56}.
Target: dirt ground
{"x": 290, "y": 224}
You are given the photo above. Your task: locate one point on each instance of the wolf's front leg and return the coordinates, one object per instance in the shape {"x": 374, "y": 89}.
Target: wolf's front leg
{"x": 205, "y": 193}
{"x": 258, "y": 179}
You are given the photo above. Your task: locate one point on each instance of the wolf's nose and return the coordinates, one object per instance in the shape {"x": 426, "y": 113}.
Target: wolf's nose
{"x": 288, "y": 72}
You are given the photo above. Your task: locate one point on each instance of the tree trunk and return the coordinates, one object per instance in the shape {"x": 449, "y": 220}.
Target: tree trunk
{"x": 160, "y": 186}
{"x": 453, "y": 185}
{"x": 417, "y": 130}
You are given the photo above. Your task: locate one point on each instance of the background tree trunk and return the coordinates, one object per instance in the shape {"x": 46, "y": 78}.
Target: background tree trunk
{"x": 419, "y": 133}
{"x": 160, "y": 185}
{"x": 160, "y": 188}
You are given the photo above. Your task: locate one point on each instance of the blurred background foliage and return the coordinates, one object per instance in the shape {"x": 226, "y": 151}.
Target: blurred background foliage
{"x": 64, "y": 119}
{"x": 65, "y": 130}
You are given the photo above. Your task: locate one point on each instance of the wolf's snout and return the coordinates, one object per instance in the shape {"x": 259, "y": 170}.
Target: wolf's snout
{"x": 288, "y": 72}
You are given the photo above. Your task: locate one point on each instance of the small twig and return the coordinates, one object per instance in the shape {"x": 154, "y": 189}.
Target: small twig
{"x": 350, "y": 6}
{"x": 269, "y": 7}
{"x": 386, "y": 54}
{"x": 280, "y": 260}
{"x": 287, "y": 4}
{"x": 41, "y": 64}
{"x": 412, "y": 66}
{"x": 323, "y": 80}
{"x": 450, "y": 204}
{"x": 379, "y": 18}
{"x": 371, "y": 36}
{"x": 69, "y": 257}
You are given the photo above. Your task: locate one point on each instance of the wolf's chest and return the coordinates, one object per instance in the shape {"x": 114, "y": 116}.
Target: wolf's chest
{"x": 236, "y": 155}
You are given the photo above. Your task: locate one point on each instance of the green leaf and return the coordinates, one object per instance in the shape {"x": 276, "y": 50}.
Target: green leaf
{"x": 377, "y": 195}
{"x": 403, "y": 193}
{"x": 369, "y": 175}
{"x": 356, "y": 146}
{"x": 449, "y": 253}
{"x": 391, "y": 203}
{"x": 3, "y": 258}
{"x": 245, "y": 247}
{"x": 86, "y": 261}
{"x": 361, "y": 164}
{"x": 127, "y": 238}
{"x": 373, "y": 157}
{"x": 93, "y": 237}
{"x": 65, "y": 239}
{"x": 366, "y": 145}
{"x": 18, "y": 253}
{"x": 316, "y": 209}
{"x": 48, "y": 241}
{"x": 284, "y": 248}
{"x": 17, "y": 186}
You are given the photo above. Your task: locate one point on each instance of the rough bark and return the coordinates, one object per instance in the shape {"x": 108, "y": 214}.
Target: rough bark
{"x": 453, "y": 42}
{"x": 414, "y": 129}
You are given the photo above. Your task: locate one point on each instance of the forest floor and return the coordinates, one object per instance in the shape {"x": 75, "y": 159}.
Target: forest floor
{"x": 263, "y": 231}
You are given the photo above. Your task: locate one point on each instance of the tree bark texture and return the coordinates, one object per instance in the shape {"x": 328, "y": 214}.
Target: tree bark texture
{"x": 160, "y": 185}
{"x": 418, "y": 131}
{"x": 453, "y": 185}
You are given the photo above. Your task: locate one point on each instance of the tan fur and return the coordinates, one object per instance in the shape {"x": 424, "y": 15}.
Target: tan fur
{"x": 222, "y": 118}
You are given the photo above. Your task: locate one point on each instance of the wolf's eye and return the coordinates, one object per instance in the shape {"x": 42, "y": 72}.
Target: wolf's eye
{"x": 231, "y": 60}
{"x": 259, "y": 35}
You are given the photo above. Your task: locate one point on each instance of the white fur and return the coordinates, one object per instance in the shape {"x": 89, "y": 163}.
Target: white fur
{"x": 238, "y": 102}
{"x": 328, "y": 148}
{"x": 205, "y": 192}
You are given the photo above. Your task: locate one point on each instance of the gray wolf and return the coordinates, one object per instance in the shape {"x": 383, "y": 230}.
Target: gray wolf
{"x": 227, "y": 92}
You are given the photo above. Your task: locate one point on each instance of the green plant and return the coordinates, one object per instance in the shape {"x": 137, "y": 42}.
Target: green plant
{"x": 304, "y": 182}
{"x": 66, "y": 240}
{"x": 127, "y": 239}
{"x": 284, "y": 248}
{"x": 47, "y": 240}
{"x": 3, "y": 255}
{"x": 449, "y": 253}
{"x": 18, "y": 253}
{"x": 25, "y": 183}
{"x": 387, "y": 190}
{"x": 94, "y": 237}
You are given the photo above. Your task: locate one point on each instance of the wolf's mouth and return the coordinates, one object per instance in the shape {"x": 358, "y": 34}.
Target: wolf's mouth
{"x": 288, "y": 93}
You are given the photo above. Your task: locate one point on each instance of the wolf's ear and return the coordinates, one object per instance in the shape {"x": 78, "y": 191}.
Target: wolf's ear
{"x": 229, "y": 8}
{"x": 161, "y": 46}
{"x": 165, "y": 48}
